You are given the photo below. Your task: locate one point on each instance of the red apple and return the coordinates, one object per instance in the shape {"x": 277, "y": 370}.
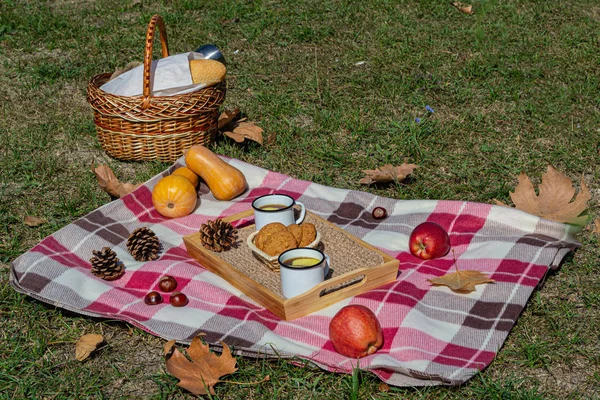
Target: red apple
{"x": 355, "y": 331}
{"x": 429, "y": 240}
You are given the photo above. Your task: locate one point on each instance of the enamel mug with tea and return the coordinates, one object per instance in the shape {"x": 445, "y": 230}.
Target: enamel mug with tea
{"x": 276, "y": 208}
{"x": 301, "y": 269}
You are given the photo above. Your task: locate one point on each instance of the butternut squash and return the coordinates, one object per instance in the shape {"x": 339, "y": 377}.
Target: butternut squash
{"x": 224, "y": 181}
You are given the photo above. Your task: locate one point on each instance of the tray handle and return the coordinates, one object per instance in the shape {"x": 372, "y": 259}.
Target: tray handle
{"x": 155, "y": 21}
{"x": 349, "y": 283}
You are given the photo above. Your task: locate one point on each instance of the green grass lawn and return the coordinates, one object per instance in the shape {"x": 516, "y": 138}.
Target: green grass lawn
{"x": 514, "y": 87}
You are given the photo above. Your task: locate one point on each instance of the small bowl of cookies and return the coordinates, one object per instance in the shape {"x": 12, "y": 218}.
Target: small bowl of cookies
{"x": 275, "y": 238}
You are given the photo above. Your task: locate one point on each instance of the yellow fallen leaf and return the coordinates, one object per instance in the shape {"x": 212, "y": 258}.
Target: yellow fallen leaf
{"x": 554, "y": 199}
{"x": 86, "y": 344}
{"x": 461, "y": 281}
{"x": 387, "y": 173}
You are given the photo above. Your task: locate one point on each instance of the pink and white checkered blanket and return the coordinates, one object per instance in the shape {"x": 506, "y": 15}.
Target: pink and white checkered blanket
{"x": 432, "y": 335}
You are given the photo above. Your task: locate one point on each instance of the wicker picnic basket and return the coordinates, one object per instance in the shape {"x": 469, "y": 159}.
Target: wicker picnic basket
{"x": 160, "y": 128}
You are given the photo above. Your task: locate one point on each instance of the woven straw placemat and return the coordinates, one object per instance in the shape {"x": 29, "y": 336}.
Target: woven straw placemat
{"x": 346, "y": 255}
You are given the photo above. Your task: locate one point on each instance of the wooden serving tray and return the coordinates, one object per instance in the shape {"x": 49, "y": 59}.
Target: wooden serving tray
{"x": 356, "y": 267}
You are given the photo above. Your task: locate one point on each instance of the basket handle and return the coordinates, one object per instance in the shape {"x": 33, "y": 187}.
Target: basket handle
{"x": 155, "y": 21}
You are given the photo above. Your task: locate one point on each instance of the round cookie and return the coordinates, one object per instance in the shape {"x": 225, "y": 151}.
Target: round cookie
{"x": 266, "y": 231}
{"x": 309, "y": 234}
{"x": 278, "y": 242}
{"x": 295, "y": 230}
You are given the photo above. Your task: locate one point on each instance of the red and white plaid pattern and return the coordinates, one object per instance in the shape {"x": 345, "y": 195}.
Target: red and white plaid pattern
{"x": 432, "y": 335}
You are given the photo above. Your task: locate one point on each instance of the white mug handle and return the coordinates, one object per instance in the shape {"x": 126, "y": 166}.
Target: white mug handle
{"x": 302, "y": 213}
{"x": 326, "y": 269}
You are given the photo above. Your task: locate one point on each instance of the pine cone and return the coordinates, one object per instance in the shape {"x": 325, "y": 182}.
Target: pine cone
{"x": 143, "y": 244}
{"x": 218, "y": 235}
{"x": 106, "y": 265}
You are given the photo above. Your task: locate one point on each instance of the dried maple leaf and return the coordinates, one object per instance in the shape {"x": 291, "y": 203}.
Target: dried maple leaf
{"x": 32, "y": 221}
{"x": 86, "y": 344}
{"x": 554, "y": 199}
{"x": 387, "y": 173}
{"x": 109, "y": 182}
{"x": 203, "y": 372}
{"x": 461, "y": 281}
{"x": 462, "y": 7}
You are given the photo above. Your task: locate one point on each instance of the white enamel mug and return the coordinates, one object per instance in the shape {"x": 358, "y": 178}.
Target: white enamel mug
{"x": 298, "y": 279}
{"x": 276, "y": 208}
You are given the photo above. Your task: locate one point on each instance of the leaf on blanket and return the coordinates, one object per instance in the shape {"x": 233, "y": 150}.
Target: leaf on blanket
{"x": 109, "y": 182}
{"x": 32, "y": 221}
{"x": 461, "y": 281}
{"x": 462, "y": 7}
{"x": 554, "y": 200}
{"x": 387, "y": 173}
{"x": 203, "y": 372}
{"x": 86, "y": 345}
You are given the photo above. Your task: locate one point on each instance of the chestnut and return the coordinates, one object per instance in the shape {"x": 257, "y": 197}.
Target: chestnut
{"x": 379, "y": 213}
{"x": 178, "y": 299}
{"x": 167, "y": 283}
{"x": 153, "y": 298}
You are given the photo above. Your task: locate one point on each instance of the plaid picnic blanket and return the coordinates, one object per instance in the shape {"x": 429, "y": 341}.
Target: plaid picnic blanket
{"x": 432, "y": 335}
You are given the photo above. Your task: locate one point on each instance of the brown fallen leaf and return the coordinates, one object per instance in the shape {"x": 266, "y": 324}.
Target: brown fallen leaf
{"x": 239, "y": 129}
{"x": 383, "y": 387}
{"x": 109, "y": 182}
{"x": 245, "y": 130}
{"x": 32, "y": 221}
{"x": 230, "y": 21}
{"x": 596, "y": 228}
{"x": 554, "y": 200}
{"x": 462, "y": 7}
{"x": 86, "y": 345}
{"x": 461, "y": 281}
{"x": 226, "y": 117}
{"x": 271, "y": 138}
{"x": 205, "y": 368}
{"x": 388, "y": 173}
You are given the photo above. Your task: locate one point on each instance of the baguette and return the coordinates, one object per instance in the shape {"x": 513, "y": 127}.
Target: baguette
{"x": 208, "y": 72}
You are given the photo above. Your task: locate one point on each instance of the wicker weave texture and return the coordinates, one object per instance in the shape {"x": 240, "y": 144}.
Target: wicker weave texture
{"x": 140, "y": 128}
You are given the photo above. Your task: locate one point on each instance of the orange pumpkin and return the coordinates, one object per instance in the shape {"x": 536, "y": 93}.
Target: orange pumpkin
{"x": 187, "y": 174}
{"x": 174, "y": 196}
{"x": 224, "y": 180}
